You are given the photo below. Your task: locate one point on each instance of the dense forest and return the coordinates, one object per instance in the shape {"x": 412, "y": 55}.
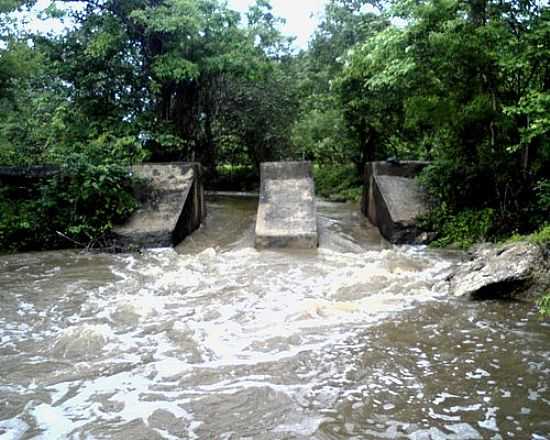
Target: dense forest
{"x": 464, "y": 84}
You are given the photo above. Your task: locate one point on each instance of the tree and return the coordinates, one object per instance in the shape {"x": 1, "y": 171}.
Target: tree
{"x": 320, "y": 131}
{"x": 461, "y": 83}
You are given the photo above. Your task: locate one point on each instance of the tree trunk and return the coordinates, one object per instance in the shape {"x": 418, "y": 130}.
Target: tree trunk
{"x": 367, "y": 148}
{"x": 208, "y": 151}
{"x": 184, "y": 117}
{"x": 525, "y": 156}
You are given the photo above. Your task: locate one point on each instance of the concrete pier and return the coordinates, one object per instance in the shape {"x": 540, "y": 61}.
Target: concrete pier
{"x": 172, "y": 206}
{"x": 287, "y": 214}
{"x": 392, "y": 199}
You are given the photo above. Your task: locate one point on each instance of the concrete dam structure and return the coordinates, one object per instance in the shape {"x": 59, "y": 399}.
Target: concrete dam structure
{"x": 172, "y": 206}
{"x": 287, "y": 213}
{"x": 170, "y": 196}
{"x": 392, "y": 199}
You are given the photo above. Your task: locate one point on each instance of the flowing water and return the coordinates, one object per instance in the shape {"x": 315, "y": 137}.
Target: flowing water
{"x": 215, "y": 340}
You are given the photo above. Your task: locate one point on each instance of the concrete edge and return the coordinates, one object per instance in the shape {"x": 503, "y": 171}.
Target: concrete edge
{"x": 286, "y": 170}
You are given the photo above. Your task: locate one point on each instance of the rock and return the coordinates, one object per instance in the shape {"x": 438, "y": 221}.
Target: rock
{"x": 287, "y": 213}
{"x": 425, "y": 238}
{"x": 499, "y": 272}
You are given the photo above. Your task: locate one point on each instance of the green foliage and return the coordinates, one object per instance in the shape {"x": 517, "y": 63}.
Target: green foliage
{"x": 544, "y": 305}
{"x": 255, "y": 121}
{"x": 320, "y": 133}
{"x": 543, "y": 195}
{"x": 86, "y": 199}
{"x": 19, "y": 222}
{"x": 452, "y": 183}
{"x": 170, "y": 68}
{"x": 82, "y": 202}
{"x": 210, "y": 78}
{"x": 235, "y": 178}
{"x": 337, "y": 182}
{"x": 160, "y": 80}
{"x": 534, "y": 108}
{"x": 12, "y": 5}
{"x": 462, "y": 229}
{"x": 464, "y": 85}
{"x": 541, "y": 237}
{"x": 323, "y": 131}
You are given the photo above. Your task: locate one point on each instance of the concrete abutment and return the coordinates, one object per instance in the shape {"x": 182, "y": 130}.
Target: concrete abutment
{"x": 393, "y": 200}
{"x": 287, "y": 212}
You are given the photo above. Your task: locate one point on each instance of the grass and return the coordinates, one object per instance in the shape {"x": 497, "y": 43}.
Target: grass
{"x": 540, "y": 237}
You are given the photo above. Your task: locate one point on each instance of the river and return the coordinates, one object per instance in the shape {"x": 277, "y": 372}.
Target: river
{"x": 214, "y": 340}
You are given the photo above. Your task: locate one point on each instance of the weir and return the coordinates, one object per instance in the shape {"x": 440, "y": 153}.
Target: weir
{"x": 392, "y": 199}
{"x": 172, "y": 206}
{"x": 287, "y": 214}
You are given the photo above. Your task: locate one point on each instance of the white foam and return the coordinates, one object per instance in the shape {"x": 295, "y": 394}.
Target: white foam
{"x": 169, "y": 317}
{"x": 12, "y": 429}
{"x": 54, "y": 422}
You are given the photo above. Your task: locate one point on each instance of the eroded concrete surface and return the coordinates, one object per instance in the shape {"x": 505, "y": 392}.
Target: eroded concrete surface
{"x": 393, "y": 199}
{"x": 171, "y": 206}
{"x": 404, "y": 201}
{"x": 287, "y": 214}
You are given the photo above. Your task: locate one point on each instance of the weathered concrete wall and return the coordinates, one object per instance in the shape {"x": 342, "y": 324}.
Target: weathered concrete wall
{"x": 392, "y": 199}
{"x": 287, "y": 214}
{"x": 25, "y": 181}
{"x": 14, "y": 175}
{"x": 172, "y": 205}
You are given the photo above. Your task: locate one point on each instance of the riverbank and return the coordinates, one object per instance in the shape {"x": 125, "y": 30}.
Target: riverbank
{"x": 517, "y": 268}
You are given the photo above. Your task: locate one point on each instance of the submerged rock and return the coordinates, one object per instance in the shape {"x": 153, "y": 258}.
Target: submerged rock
{"x": 499, "y": 272}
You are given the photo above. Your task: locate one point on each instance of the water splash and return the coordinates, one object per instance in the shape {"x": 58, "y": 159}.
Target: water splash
{"x": 218, "y": 340}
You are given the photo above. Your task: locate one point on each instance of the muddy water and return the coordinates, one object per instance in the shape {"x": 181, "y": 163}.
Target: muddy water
{"x": 217, "y": 341}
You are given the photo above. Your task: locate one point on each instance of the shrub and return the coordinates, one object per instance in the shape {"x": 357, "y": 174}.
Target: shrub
{"x": 462, "y": 229}
{"x": 234, "y": 178}
{"x": 82, "y": 202}
{"x": 544, "y": 305}
{"x": 337, "y": 182}
{"x": 20, "y": 222}
{"x": 540, "y": 237}
{"x": 542, "y": 190}
{"x": 85, "y": 200}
